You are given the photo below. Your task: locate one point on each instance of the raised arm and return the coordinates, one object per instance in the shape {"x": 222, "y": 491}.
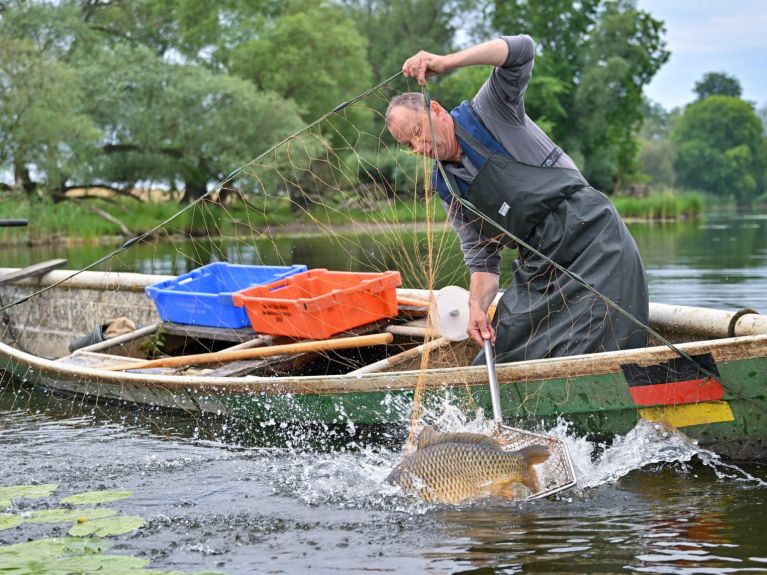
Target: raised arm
{"x": 425, "y": 65}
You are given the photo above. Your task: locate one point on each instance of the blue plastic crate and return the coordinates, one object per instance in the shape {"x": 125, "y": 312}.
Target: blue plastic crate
{"x": 204, "y": 295}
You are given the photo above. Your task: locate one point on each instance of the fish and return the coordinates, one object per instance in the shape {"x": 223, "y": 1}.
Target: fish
{"x": 462, "y": 467}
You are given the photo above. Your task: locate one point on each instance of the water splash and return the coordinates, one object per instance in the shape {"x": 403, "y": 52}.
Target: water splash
{"x": 357, "y": 479}
{"x": 647, "y": 443}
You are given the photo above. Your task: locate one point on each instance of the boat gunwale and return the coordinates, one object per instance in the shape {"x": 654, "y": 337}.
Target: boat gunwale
{"x": 727, "y": 349}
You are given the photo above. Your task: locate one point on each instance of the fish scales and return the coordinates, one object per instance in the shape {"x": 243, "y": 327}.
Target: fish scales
{"x": 455, "y": 467}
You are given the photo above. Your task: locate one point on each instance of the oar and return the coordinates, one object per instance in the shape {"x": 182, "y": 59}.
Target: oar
{"x": 32, "y": 271}
{"x": 13, "y": 223}
{"x": 221, "y": 356}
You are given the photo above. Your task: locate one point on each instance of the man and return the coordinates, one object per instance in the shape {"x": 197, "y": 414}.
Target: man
{"x": 500, "y": 165}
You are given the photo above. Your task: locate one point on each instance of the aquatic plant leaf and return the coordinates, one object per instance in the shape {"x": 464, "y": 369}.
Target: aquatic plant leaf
{"x": 65, "y": 555}
{"x": 77, "y": 515}
{"x": 108, "y": 526}
{"x": 7, "y": 494}
{"x": 8, "y": 520}
{"x": 42, "y": 549}
{"x": 96, "y": 497}
{"x": 113, "y": 564}
{"x": 160, "y": 572}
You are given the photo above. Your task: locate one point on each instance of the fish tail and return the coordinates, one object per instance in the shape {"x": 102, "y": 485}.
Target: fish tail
{"x": 533, "y": 455}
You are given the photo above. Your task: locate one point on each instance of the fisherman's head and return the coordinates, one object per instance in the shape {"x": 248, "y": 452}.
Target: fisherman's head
{"x": 407, "y": 121}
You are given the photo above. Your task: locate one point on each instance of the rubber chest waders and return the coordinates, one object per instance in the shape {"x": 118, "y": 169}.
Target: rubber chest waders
{"x": 544, "y": 313}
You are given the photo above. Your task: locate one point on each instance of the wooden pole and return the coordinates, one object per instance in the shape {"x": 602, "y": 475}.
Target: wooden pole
{"x": 408, "y": 301}
{"x": 222, "y": 356}
{"x": 401, "y": 357}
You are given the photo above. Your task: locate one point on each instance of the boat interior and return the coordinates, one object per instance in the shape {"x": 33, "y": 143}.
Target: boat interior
{"x": 64, "y": 324}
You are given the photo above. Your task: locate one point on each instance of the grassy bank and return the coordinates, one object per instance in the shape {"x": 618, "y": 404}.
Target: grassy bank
{"x": 661, "y": 206}
{"x": 85, "y": 219}
{"x": 94, "y": 219}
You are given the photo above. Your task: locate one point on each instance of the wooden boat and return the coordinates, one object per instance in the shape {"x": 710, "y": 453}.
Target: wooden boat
{"x": 600, "y": 394}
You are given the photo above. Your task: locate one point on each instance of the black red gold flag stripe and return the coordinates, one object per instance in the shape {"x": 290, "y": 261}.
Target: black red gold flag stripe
{"x": 673, "y": 382}
{"x": 678, "y": 392}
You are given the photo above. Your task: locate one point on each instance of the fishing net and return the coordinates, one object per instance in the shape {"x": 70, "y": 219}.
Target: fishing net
{"x": 339, "y": 194}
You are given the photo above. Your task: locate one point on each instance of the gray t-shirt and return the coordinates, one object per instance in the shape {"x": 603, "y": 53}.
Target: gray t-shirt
{"x": 500, "y": 105}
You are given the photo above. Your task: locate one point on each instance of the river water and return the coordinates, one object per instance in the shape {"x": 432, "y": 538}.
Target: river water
{"x": 220, "y": 497}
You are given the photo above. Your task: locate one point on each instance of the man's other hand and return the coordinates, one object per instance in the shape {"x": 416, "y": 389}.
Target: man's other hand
{"x": 423, "y": 65}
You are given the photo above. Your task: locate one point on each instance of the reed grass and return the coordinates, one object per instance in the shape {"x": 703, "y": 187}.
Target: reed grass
{"x": 49, "y": 221}
{"x": 665, "y": 205}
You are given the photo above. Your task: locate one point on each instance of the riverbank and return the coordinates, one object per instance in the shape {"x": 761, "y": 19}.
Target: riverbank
{"x": 111, "y": 219}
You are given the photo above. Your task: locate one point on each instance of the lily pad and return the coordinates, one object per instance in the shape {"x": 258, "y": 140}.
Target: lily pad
{"x": 108, "y": 526}
{"x": 8, "y": 520}
{"x": 7, "y": 494}
{"x": 95, "y": 497}
{"x": 51, "y": 547}
{"x": 60, "y": 515}
{"x": 60, "y": 556}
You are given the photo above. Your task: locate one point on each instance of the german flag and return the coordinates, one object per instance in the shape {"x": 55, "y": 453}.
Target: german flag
{"x": 674, "y": 382}
{"x": 678, "y": 392}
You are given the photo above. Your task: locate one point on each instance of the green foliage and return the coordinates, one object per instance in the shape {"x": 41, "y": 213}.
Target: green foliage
{"x": 717, "y": 84}
{"x": 721, "y": 148}
{"x": 108, "y": 526}
{"x": 664, "y": 205}
{"x": 312, "y": 55}
{"x": 41, "y": 119}
{"x": 69, "y": 515}
{"x": 656, "y": 158}
{"x": 397, "y": 29}
{"x": 77, "y": 553}
{"x": 460, "y": 85}
{"x": 593, "y": 60}
{"x": 181, "y": 122}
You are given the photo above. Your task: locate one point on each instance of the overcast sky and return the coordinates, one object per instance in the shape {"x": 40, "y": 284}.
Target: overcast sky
{"x": 710, "y": 36}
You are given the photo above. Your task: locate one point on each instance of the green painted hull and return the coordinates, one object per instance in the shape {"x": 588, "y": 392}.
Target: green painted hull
{"x": 598, "y": 405}
{"x": 592, "y": 393}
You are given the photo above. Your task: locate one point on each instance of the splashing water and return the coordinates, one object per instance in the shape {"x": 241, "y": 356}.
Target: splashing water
{"x": 357, "y": 479}
{"x": 646, "y": 444}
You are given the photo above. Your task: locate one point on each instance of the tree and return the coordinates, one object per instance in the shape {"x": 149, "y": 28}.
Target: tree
{"x": 560, "y": 28}
{"x": 655, "y": 147}
{"x": 593, "y": 60}
{"x": 41, "y": 121}
{"x": 717, "y": 83}
{"x": 721, "y": 148}
{"x": 200, "y": 32}
{"x": 177, "y": 122}
{"x": 397, "y": 29}
{"x": 312, "y": 55}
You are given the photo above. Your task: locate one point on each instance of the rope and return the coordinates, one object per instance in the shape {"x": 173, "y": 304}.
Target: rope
{"x": 467, "y": 204}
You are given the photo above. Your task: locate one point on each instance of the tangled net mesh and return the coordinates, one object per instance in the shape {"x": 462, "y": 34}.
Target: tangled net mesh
{"x": 341, "y": 195}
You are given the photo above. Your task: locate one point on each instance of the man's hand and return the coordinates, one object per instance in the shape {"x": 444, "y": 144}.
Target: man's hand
{"x": 479, "y": 328}
{"x": 482, "y": 291}
{"x": 423, "y": 65}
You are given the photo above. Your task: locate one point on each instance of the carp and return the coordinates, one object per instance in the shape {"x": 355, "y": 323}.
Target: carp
{"x": 460, "y": 467}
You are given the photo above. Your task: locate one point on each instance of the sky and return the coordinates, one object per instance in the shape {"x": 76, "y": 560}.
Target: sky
{"x": 710, "y": 36}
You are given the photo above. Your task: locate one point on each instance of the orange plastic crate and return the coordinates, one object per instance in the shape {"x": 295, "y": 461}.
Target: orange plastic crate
{"x": 319, "y": 303}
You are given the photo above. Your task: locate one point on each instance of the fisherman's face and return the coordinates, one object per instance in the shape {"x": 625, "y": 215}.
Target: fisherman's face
{"x": 411, "y": 128}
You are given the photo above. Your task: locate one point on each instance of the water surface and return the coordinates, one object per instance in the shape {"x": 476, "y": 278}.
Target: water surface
{"x": 217, "y": 495}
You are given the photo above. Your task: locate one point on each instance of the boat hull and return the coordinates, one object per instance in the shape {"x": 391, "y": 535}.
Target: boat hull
{"x": 599, "y": 395}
